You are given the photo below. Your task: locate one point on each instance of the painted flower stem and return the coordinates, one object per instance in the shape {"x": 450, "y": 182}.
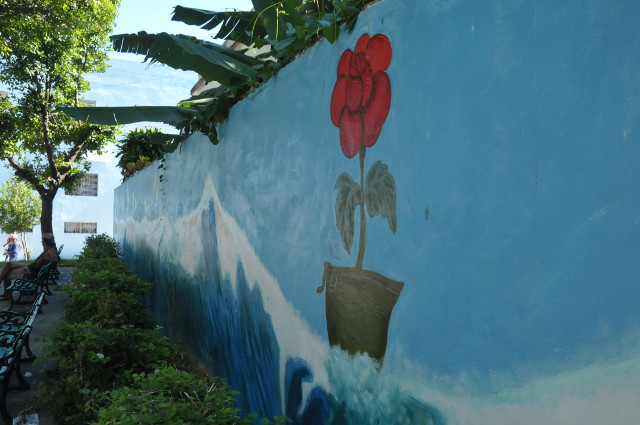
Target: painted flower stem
{"x": 363, "y": 221}
{"x": 360, "y": 104}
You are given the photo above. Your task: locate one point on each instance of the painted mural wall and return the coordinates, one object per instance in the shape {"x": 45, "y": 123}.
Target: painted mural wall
{"x": 435, "y": 220}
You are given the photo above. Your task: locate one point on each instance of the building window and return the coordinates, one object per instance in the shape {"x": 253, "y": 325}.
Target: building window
{"x": 76, "y": 227}
{"x": 88, "y": 187}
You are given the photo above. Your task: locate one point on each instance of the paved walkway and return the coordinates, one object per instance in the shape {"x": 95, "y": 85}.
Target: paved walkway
{"x": 51, "y": 315}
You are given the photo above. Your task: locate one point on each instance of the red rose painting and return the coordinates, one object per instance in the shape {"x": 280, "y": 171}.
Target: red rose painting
{"x": 362, "y": 95}
{"x": 359, "y": 302}
{"x": 360, "y": 104}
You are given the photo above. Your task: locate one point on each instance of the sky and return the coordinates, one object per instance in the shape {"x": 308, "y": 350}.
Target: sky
{"x": 128, "y": 81}
{"x": 167, "y": 85}
{"x": 154, "y": 16}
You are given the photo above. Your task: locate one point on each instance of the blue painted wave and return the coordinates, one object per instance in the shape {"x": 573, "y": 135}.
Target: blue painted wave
{"x": 226, "y": 326}
{"x": 231, "y": 314}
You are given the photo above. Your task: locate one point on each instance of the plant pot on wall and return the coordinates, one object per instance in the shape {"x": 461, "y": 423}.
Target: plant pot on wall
{"x": 359, "y": 304}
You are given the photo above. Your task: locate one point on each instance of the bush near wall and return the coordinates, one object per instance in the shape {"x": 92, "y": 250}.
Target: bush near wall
{"x": 114, "y": 367}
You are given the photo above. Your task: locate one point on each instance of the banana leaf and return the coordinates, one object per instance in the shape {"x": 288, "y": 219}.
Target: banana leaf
{"x": 237, "y": 25}
{"x": 118, "y": 115}
{"x": 212, "y": 61}
{"x": 206, "y": 97}
{"x": 276, "y": 14}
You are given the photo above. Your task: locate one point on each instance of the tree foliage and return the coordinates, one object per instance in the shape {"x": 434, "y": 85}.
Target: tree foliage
{"x": 44, "y": 57}
{"x": 20, "y": 207}
{"x": 20, "y": 210}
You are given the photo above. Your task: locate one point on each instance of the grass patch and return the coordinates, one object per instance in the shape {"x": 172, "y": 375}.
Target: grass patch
{"x": 64, "y": 262}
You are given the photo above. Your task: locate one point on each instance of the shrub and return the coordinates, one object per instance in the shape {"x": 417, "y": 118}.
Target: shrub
{"x": 109, "y": 273}
{"x": 77, "y": 345}
{"x": 100, "y": 246}
{"x": 113, "y": 365}
{"x": 106, "y": 308}
{"x": 106, "y": 292}
{"x": 93, "y": 359}
{"x": 170, "y": 397}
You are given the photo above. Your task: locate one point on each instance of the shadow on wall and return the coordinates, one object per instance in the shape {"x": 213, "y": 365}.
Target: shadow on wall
{"x": 227, "y": 327}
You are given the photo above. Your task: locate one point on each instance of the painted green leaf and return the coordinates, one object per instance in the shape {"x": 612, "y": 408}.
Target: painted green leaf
{"x": 380, "y": 193}
{"x": 346, "y": 202}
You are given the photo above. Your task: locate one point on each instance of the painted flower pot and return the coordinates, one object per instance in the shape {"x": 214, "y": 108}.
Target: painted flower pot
{"x": 359, "y": 304}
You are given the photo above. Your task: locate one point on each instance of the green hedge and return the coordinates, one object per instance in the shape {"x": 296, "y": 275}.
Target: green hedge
{"x": 114, "y": 367}
{"x": 171, "y": 396}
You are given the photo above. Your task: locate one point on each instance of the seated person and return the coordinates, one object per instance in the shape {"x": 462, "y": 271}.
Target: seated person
{"x": 15, "y": 270}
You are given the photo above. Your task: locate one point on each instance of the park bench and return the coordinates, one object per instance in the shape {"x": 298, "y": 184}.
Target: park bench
{"x": 15, "y": 321}
{"x": 54, "y": 275}
{"x": 31, "y": 286}
{"x": 11, "y": 344}
{"x": 15, "y": 329}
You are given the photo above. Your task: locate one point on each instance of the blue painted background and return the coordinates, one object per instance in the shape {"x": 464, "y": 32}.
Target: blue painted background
{"x": 517, "y": 125}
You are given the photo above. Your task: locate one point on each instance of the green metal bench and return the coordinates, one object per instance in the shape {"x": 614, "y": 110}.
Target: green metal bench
{"x": 11, "y": 344}
{"x": 15, "y": 321}
{"x": 15, "y": 329}
{"x": 54, "y": 275}
{"x": 30, "y": 286}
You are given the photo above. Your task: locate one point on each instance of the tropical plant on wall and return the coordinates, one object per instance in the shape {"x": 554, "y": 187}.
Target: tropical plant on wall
{"x": 140, "y": 147}
{"x": 286, "y": 27}
{"x": 359, "y": 302}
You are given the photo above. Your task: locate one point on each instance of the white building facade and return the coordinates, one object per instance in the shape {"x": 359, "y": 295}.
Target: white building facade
{"x": 76, "y": 216}
{"x": 127, "y": 82}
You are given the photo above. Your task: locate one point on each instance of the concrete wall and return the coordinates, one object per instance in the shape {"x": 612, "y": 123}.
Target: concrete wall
{"x": 512, "y": 143}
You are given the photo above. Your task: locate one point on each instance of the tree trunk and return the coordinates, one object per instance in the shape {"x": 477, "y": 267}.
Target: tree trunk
{"x": 46, "y": 217}
{"x": 25, "y": 247}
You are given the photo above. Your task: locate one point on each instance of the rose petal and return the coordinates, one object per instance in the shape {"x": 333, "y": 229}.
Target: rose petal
{"x": 343, "y": 64}
{"x": 338, "y": 100}
{"x": 376, "y": 111}
{"x": 367, "y": 85}
{"x": 351, "y": 133}
{"x": 361, "y": 45}
{"x": 354, "y": 94}
{"x": 379, "y": 53}
{"x": 357, "y": 64}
